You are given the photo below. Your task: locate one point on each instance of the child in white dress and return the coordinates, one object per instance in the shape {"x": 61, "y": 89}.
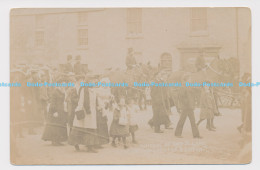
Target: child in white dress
{"x": 132, "y": 110}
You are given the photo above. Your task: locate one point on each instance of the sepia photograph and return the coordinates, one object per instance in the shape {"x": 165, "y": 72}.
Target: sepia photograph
{"x": 117, "y": 86}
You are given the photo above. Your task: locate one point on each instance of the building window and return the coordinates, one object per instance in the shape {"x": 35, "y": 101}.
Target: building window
{"x": 83, "y": 37}
{"x": 83, "y": 18}
{"x": 82, "y": 30}
{"x": 39, "y": 31}
{"x": 198, "y": 19}
{"x": 134, "y": 21}
{"x": 39, "y": 38}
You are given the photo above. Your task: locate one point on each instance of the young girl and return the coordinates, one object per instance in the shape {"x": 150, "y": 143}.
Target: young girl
{"x": 119, "y": 127}
{"x": 132, "y": 110}
{"x": 207, "y": 106}
{"x": 148, "y": 95}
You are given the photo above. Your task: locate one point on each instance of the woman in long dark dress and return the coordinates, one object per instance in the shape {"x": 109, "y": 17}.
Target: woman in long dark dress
{"x": 102, "y": 129}
{"x": 56, "y": 128}
{"x": 103, "y": 99}
{"x": 160, "y": 105}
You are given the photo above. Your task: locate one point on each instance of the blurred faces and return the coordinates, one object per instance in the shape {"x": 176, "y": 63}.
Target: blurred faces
{"x": 121, "y": 101}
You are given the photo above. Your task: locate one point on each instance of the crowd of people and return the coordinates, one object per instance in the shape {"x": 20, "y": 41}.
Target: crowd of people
{"x": 76, "y": 114}
{"x": 79, "y": 114}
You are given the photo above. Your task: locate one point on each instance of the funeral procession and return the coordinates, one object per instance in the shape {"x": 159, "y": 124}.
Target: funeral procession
{"x": 116, "y": 86}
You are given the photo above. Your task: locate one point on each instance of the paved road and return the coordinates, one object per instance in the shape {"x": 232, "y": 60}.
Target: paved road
{"x": 214, "y": 148}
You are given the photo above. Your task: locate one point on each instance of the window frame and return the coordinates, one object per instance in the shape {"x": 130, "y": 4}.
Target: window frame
{"x": 80, "y": 38}
{"x": 37, "y": 38}
{"x": 134, "y": 22}
{"x": 202, "y": 32}
{"x": 82, "y": 25}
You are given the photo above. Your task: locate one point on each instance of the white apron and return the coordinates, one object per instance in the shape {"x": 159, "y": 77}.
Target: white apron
{"x": 90, "y": 120}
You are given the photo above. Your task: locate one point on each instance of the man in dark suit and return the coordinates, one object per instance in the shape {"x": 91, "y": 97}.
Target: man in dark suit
{"x": 186, "y": 103}
{"x": 68, "y": 67}
{"x": 78, "y": 68}
{"x": 130, "y": 59}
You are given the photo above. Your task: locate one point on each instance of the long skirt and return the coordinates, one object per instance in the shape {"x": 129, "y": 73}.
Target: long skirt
{"x": 160, "y": 117}
{"x": 102, "y": 130}
{"x": 206, "y": 113}
{"x": 55, "y": 132}
{"x": 117, "y": 130}
{"x": 133, "y": 128}
{"x": 83, "y": 136}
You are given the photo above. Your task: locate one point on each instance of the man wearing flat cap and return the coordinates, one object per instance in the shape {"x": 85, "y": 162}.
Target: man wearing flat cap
{"x": 186, "y": 103}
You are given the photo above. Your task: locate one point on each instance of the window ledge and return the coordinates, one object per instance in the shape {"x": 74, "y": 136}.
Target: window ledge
{"x": 82, "y": 47}
{"x": 85, "y": 26}
{"x": 134, "y": 36}
{"x": 39, "y": 47}
{"x": 199, "y": 33}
